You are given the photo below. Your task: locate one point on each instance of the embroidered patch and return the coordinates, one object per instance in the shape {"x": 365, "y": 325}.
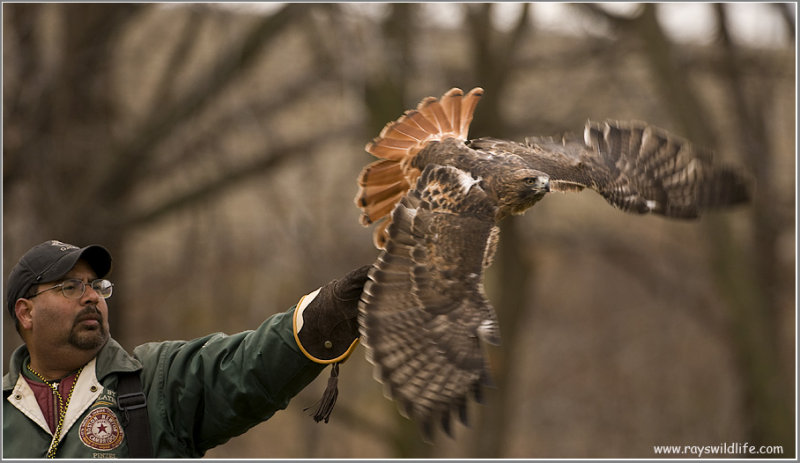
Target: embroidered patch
{"x": 100, "y": 430}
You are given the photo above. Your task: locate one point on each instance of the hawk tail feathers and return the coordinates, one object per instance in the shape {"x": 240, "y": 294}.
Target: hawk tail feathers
{"x": 447, "y": 117}
{"x": 381, "y": 185}
{"x": 384, "y": 182}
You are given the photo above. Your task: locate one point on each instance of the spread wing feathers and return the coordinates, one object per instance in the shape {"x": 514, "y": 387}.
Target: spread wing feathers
{"x": 423, "y": 311}
{"x": 636, "y": 167}
{"x": 384, "y": 182}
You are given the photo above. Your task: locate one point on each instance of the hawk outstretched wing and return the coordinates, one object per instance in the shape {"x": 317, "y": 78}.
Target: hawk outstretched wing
{"x": 425, "y": 311}
{"x": 436, "y": 197}
{"x": 635, "y": 166}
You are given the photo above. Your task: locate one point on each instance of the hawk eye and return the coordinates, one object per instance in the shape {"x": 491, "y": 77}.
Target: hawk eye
{"x": 530, "y": 180}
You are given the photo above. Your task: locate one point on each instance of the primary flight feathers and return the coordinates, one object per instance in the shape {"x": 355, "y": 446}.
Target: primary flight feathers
{"x": 436, "y": 197}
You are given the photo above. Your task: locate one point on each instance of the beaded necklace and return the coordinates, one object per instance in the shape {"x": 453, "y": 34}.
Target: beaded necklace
{"x": 51, "y": 452}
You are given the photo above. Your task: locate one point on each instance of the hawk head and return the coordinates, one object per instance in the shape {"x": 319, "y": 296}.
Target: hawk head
{"x": 519, "y": 189}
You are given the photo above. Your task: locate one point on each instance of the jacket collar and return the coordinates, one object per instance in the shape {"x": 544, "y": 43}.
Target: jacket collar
{"x": 112, "y": 358}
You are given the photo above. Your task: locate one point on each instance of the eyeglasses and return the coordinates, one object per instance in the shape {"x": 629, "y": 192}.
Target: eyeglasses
{"x": 74, "y": 288}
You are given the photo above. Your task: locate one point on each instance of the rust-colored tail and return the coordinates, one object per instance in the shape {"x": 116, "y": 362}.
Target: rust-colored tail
{"x": 382, "y": 183}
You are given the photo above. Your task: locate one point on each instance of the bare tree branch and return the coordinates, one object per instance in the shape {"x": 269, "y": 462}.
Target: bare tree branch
{"x": 756, "y": 320}
{"x": 785, "y": 10}
{"x": 618, "y": 22}
{"x": 138, "y": 149}
{"x": 494, "y": 57}
{"x": 177, "y": 59}
{"x": 676, "y": 93}
{"x": 259, "y": 110}
{"x": 262, "y": 163}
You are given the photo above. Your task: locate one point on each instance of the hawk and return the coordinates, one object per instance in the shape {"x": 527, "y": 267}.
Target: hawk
{"x": 436, "y": 198}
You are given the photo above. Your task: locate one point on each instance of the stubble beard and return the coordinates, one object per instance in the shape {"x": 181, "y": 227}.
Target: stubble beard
{"x": 88, "y": 338}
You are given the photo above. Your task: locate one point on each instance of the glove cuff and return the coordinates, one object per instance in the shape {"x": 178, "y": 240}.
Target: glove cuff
{"x": 313, "y": 343}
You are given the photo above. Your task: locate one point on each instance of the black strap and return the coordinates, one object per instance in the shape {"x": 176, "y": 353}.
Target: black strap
{"x": 133, "y": 405}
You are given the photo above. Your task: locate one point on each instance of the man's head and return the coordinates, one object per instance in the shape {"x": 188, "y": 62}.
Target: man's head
{"x": 44, "y": 294}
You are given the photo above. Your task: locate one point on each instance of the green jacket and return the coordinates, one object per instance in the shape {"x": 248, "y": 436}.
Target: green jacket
{"x": 200, "y": 393}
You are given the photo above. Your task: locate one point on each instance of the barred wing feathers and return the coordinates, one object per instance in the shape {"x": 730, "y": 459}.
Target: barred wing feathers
{"x": 636, "y": 167}
{"x": 423, "y": 312}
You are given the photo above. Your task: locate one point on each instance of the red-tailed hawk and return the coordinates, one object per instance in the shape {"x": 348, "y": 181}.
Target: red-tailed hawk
{"x": 436, "y": 198}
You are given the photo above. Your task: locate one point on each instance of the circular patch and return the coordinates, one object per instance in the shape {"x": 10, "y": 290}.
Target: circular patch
{"x": 100, "y": 430}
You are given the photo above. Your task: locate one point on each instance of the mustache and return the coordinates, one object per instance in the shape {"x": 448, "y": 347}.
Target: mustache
{"x": 91, "y": 312}
{"x": 91, "y": 339}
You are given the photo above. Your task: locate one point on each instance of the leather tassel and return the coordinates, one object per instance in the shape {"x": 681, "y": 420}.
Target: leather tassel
{"x": 329, "y": 397}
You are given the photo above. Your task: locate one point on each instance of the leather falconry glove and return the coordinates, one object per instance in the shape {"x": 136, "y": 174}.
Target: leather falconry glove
{"x": 326, "y": 321}
{"x": 326, "y": 328}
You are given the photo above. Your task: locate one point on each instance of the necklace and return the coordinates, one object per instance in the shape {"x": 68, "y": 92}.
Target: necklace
{"x": 51, "y": 452}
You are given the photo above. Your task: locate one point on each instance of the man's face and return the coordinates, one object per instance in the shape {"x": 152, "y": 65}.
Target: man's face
{"x": 81, "y": 323}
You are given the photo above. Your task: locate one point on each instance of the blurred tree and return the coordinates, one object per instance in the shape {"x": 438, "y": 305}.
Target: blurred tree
{"x": 136, "y": 123}
{"x": 751, "y": 281}
{"x": 494, "y": 58}
{"x": 747, "y": 281}
{"x": 60, "y": 112}
{"x": 64, "y": 123}
{"x": 386, "y": 81}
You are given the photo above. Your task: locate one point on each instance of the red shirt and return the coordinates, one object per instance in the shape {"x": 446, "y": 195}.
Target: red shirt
{"x": 48, "y": 400}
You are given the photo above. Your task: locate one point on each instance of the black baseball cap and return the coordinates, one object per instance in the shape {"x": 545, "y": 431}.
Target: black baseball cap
{"x": 50, "y": 261}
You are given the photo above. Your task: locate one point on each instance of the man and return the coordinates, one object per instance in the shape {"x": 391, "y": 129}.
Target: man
{"x": 60, "y": 394}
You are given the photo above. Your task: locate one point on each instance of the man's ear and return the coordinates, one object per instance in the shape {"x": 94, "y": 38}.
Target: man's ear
{"x": 23, "y": 309}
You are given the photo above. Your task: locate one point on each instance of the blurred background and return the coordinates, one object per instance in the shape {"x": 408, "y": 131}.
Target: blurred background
{"x": 214, "y": 149}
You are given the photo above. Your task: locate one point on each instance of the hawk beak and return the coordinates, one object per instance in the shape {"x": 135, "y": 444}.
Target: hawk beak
{"x": 543, "y": 183}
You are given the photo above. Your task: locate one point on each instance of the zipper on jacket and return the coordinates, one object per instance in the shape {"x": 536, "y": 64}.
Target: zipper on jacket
{"x": 56, "y": 407}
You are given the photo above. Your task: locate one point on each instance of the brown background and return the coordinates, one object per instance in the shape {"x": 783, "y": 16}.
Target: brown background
{"x": 215, "y": 151}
